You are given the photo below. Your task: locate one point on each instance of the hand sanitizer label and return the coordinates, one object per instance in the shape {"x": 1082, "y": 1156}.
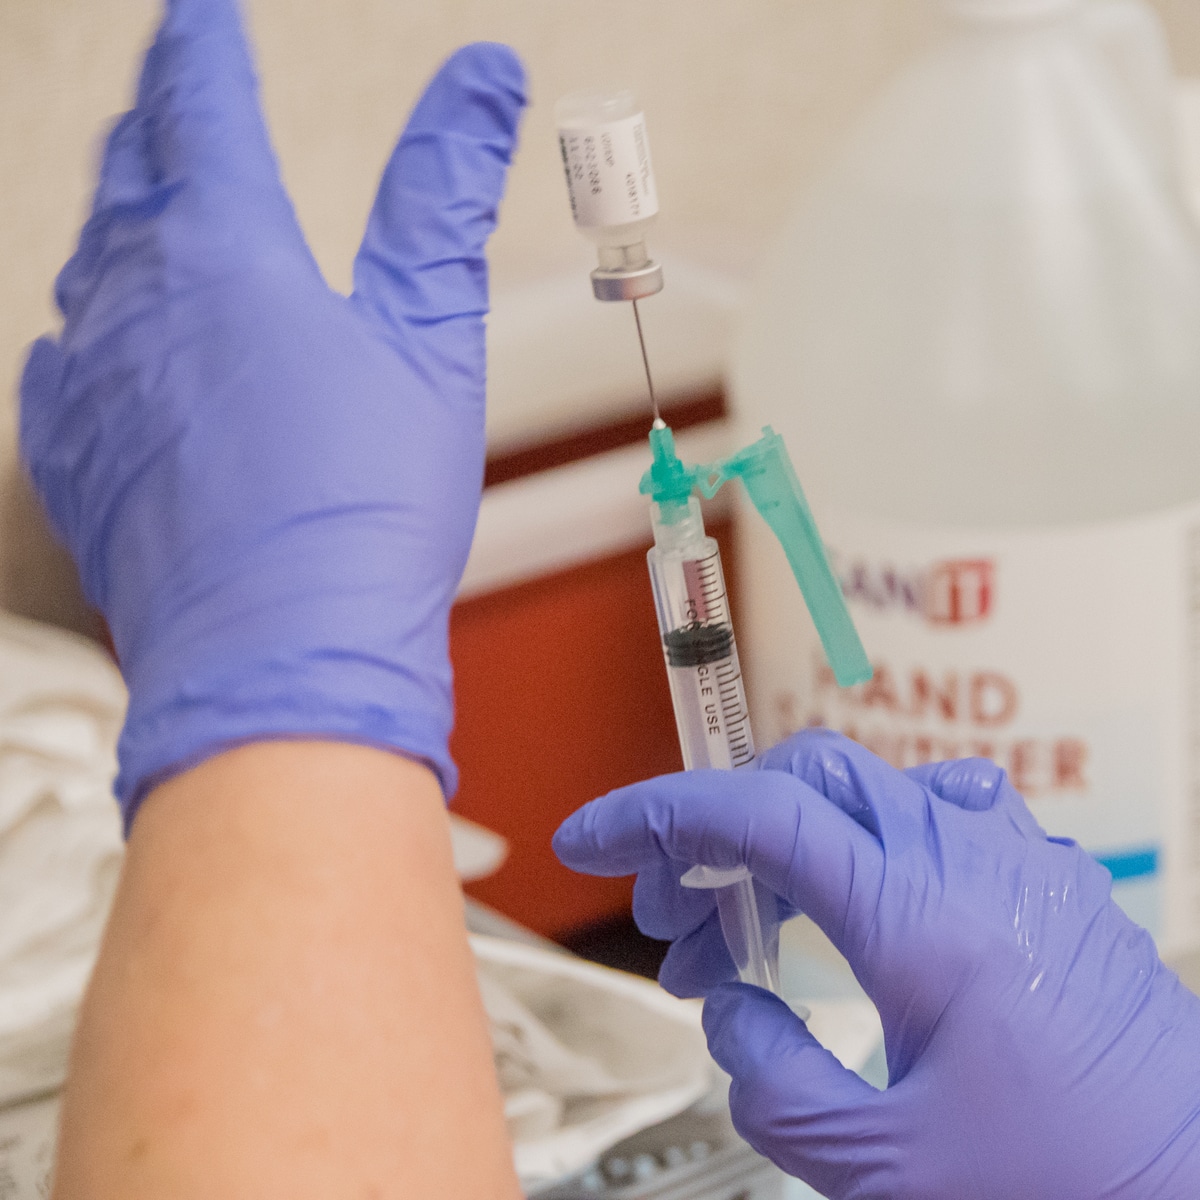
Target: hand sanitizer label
{"x": 1069, "y": 656}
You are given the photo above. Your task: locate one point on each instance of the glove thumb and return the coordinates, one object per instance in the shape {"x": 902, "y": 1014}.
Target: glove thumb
{"x": 793, "y": 1101}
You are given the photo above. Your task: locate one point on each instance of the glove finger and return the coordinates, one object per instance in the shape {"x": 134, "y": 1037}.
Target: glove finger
{"x": 125, "y": 172}
{"x": 125, "y": 186}
{"x": 793, "y": 840}
{"x": 47, "y": 457}
{"x": 970, "y": 783}
{"x": 662, "y": 907}
{"x": 422, "y": 255}
{"x": 792, "y": 1100}
{"x": 883, "y": 800}
{"x": 199, "y": 95}
{"x": 698, "y": 961}
{"x": 976, "y": 785}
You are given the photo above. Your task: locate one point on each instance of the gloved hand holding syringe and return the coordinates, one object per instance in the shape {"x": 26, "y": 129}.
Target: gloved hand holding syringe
{"x": 606, "y": 156}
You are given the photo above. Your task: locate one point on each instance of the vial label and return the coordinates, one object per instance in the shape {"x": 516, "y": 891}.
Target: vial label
{"x": 609, "y": 176}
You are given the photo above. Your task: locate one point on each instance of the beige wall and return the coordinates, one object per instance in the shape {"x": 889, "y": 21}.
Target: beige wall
{"x": 746, "y": 98}
{"x": 1182, "y": 19}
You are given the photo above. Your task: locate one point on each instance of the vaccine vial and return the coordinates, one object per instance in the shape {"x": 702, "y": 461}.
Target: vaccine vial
{"x": 610, "y": 181}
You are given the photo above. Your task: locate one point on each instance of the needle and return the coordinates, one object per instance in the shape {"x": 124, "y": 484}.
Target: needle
{"x": 646, "y": 363}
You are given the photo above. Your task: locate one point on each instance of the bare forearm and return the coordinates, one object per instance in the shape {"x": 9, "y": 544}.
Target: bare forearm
{"x": 284, "y": 984}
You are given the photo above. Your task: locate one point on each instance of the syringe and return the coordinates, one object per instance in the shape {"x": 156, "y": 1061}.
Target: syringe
{"x": 701, "y": 654}
{"x": 606, "y": 158}
{"x": 710, "y": 713}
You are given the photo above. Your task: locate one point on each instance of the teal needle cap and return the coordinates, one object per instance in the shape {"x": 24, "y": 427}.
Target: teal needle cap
{"x": 766, "y": 471}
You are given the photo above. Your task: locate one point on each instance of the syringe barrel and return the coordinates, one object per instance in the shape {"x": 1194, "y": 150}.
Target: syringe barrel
{"x": 710, "y": 712}
{"x": 697, "y": 634}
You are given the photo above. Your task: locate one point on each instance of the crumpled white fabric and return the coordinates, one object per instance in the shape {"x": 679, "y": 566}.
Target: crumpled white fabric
{"x": 586, "y": 1056}
{"x": 61, "y": 705}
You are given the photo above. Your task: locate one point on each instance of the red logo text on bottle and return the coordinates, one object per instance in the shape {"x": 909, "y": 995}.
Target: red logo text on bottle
{"x": 957, "y": 591}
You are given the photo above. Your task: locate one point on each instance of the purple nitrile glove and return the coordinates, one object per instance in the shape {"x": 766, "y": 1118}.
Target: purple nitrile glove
{"x": 270, "y": 489}
{"x": 1037, "y": 1048}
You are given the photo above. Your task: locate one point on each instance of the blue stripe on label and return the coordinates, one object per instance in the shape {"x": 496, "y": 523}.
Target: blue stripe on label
{"x": 1132, "y": 864}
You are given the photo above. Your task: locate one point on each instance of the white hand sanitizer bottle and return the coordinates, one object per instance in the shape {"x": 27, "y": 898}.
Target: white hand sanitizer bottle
{"x": 980, "y": 336}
